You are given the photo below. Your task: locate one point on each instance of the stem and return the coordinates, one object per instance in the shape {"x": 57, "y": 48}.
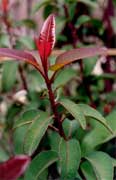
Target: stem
{"x": 58, "y": 123}
{"x": 24, "y": 82}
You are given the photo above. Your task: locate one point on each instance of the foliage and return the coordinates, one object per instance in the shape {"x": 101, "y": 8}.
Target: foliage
{"x": 54, "y": 108}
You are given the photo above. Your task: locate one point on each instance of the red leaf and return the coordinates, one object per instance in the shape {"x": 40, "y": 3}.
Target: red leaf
{"x": 46, "y": 40}
{"x": 76, "y": 54}
{"x": 5, "y": 5}
{"x": 6, "y": 54}
{"x": 14, "y": 167}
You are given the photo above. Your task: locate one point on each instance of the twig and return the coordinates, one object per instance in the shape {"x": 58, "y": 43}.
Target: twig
{"x": 53, "y": 128}
{"x": 24, "y": 83}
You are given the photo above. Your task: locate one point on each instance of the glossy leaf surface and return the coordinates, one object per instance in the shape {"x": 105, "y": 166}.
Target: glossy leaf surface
{"x": 14, "y": 167}
{"x": 76, "y": 54}
{"x": 46, "y": 40}
{"x": 39, "y": 164}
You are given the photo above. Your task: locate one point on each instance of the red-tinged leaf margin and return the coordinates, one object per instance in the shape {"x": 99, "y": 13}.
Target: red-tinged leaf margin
{"x": 13, "y": 54}
{"x": 76, "y": 54}
{"x": 14, "y": 167}
{"x": 46, "y": 40}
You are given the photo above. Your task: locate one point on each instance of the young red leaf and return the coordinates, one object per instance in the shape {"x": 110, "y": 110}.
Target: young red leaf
{"x": 13, "y": 54}
{"x": 76, "y": 54}
{"x": 5, "y": 5}
{"x": 46, "y": 40}
{"x": 14, "y": 167}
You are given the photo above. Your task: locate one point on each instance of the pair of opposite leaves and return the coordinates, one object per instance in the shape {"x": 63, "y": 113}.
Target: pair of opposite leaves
{"x": 45, "y": 43}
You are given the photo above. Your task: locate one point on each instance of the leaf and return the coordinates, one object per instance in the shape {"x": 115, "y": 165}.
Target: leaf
{"x": 27, "y": 42}
{"x": 9, "y": 75}
{"x": 54, "y": 140}
{"x": 21, "y": 127}
{"x": 70, "y": 156}
{"x": 35, "y": 82}
{"x": 89, "y": 65}
{"x": 81, "y": 20}
{"x": 4, "y": 40}
{"x": 75, "y": 110}
{"x": 91, "y": 112}
{"x": 38, "y": 5}
{"x": 64, "y": 76}
{"x": 14, "y": 167}
{"x": 3, "y": 154}
{"x": 39, "y": 164}
{"x": 102, "y": 165}
{"x": 70, "y": 127}
{"x": 99, "y": 134}
{"x": 35, "y": 132}
{"x": 46, "y": 40}
{"x": 90, "y": 3}
{"x": 76, "y": 54}
{"x": 29, "y": 23}
{"x": 13, "y": 54}
{"x": 113, "y": 162}
{"x": 26, "y": 118}
{"x": 5, "y": 4}
{"x": 87, "y": 171}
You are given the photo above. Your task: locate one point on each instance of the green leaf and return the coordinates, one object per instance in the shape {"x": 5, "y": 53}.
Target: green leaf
{"x": 81, "y": 20}
{"x": 91, "y": 112}
{"x": 78, "y": 177}
{"x": 18, "y": 138}
{"x": 20, "y": 128}
{"x": 75, "y": 110}
{"x": 90, "y": 3}
{"x": 87, "y": 171}
{"x": 4, "y": 40}
{"x": 35, "y": 81}
{"x": 26, "y": 118}
{"x": 113, "y": 162}
{"x": 29, "y": 23}
{"x": 102, "y": 165}
{"x": 70, "y": 127}
{"x": 89, "y": 65}
{"x": 3, "y": 155}
{"x": 99, "y": 134}
{"x": 27, "y": 42}
{"x": 35, "y": 132}
{"x": 70, "y": 156}
{"x": 38, "y": 5}
{"x": 64, "y": 76}
{"x": 9, "y": 75}
{"x": 71, "y": 9}
{"x": 54, "y": 140}
{"x": 39, "y": 164}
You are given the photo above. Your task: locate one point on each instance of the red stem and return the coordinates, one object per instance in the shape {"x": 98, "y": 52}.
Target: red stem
{"x": 57, "y": 123}
{"x": 24, "y": 82}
